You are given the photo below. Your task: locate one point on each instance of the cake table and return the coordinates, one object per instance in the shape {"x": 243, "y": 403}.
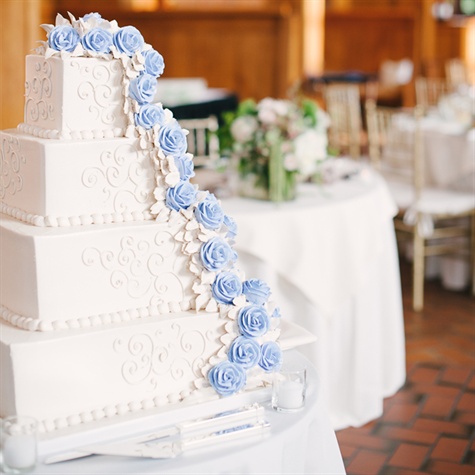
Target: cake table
{"x": 301, "y": 442}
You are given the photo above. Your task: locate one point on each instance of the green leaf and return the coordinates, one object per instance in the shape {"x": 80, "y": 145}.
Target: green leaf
{"x": 247, "y": 107}
{"x": 310, "y": 110}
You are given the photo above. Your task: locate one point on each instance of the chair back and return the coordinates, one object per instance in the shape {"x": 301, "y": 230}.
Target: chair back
{"x": 202, "y": 140}
{"x": 429, "y": 91}
{"x": 342, "y": 103}
{"x": 396, "y": 144}
{"x": 456, "y": 73}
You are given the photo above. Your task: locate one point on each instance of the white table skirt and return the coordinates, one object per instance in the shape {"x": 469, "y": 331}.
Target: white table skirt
{"x": 341, "y": 282}
{"x": 302, "y": 442}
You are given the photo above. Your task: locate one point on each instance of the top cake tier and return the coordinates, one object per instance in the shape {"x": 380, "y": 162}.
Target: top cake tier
{"x": 91, "y": 79}
{"x": 77, "y": 98}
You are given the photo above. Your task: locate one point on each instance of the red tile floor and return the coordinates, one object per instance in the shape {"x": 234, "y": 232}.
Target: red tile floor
{"x": 428, "y": 426}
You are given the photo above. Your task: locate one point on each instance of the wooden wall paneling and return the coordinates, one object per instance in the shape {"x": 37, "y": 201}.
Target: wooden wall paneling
{"x": 19, "y": 32}
{"x": 360, "y": 39}
{"x": 238, "y": 54}
{"x": 449, "y": 44}
{"x": 363, "y": 39}
{"x": 293, "y": 36}
{"x": 234, "y": 5}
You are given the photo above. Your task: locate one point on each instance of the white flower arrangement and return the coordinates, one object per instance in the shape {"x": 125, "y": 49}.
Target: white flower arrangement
{"x": 259, "y": 133}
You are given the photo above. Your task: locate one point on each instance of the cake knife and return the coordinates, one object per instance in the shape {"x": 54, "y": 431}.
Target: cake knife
{"x": 162, "y": 450}
{"x": 220, "y": 421}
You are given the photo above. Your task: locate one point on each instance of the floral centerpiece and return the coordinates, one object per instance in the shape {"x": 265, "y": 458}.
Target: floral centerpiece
{"x": 274, "y": 142}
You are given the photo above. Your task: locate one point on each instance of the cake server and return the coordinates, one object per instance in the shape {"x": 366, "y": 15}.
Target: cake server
{"x": 161, "y": 450}
{"x": 220, "y": 421}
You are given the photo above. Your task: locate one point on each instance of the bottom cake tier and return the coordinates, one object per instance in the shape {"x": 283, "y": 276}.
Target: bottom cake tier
{"x": 73, "y": 377}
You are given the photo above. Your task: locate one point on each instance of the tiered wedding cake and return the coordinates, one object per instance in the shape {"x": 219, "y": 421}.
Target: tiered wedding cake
{"x": 120, "y": 289}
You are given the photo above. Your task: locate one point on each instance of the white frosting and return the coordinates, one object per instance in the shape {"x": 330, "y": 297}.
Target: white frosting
{"x": 32, "y": 324}
{"x": 73, "y": 98}
{"x": 60, "y": 183}
{"x": 78, "y": 134}
{"x": 60, "y": 221}
{"x": 80, "y": 277}
{"x": 128, "y": 368}
{"x": 107, "y": 262}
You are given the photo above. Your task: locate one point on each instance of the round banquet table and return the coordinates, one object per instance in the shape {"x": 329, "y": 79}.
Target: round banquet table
{"x": 330, "y": 258}
{"x": 300, "y": 442}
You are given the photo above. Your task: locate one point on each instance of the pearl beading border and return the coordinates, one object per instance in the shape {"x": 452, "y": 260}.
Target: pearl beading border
{"x": 66, "y": 221}
{"x": 34, "y": 324}
{"x": 54, "y": 134}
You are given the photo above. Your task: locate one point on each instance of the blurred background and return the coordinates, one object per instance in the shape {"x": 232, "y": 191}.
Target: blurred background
{"x": 259, "y": 48}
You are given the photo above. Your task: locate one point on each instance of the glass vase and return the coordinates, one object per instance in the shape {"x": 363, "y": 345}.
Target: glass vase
{"x": 278, "y": 185}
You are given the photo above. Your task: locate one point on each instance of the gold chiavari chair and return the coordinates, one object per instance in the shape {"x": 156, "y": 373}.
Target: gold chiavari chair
{"x": 203, "y": 143}
{"x": 342, "y": 103}
{"x": 456, "y": 73}
{"x": 429, "y": 91}
{"x": 202, "y": 140}
{"x": 436, "y": 220}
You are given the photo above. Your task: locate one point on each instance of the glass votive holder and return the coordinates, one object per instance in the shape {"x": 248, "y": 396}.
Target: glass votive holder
{"x": 19, "y": 444}
{"x": 288, "y": 390}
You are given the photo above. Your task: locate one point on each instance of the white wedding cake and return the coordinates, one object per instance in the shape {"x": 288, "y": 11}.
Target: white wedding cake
{"x": 120, "y": 289}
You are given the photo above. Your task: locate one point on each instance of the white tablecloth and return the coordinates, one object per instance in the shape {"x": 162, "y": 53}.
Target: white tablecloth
{"x": 331, "y": 260}
{"x": 302, "y": 442}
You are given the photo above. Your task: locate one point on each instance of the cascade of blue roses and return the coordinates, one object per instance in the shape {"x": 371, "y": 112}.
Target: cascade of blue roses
{"x": 206, "y": 234}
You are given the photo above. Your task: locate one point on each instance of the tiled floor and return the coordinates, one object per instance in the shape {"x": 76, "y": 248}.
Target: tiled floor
{"x": 428, "y": 427}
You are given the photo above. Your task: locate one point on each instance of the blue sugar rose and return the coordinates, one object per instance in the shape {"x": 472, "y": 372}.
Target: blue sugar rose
{"x": 97, "y": 40}
{"x": 245, "y": 352}
{"x": 271, "y": 357}
{"x": 172, "y": 139}
{"x": 181, "y": 196}
{"x": 256, "y": 291}
{"x": 150, "y": 115}
{"x": 91, "y": 15}
{"x": 128, "y": 40}
{"x": 143, "y": 88}
{"x": 231, "y": 225}
{"x": 209, "y": 213}
{"x": 227, "y": 378}
{"x": 63, "y": 38}
{"x": 185, "y": 167}
{"x": 226, "y": 287}
{"x": 253, "y": 321}
{"x": 216, "y": 254}
{"x": 154, "y": 64}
